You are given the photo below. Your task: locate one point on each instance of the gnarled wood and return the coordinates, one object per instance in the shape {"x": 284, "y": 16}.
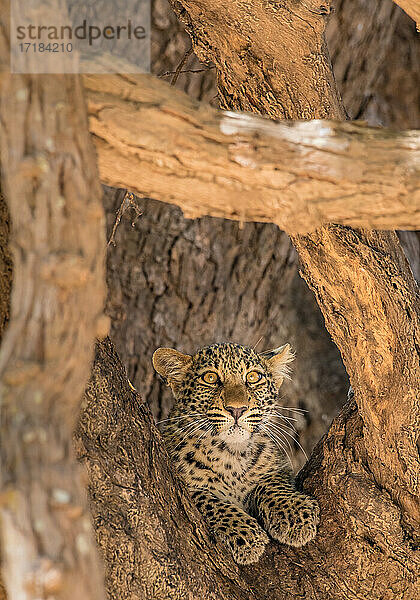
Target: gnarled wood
{"x": 161, "y": 144}
{"x": 270, "y": 56}
{"x": 376, "y": 328}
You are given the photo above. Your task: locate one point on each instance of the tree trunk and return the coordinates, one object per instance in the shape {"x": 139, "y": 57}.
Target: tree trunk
{"x": 49, "y": 180}
{"x": 5, "y": 265}
{"x": 5, "y": 288}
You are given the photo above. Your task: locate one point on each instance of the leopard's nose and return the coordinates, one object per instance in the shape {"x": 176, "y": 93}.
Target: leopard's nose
{"x": 235, "y": 411}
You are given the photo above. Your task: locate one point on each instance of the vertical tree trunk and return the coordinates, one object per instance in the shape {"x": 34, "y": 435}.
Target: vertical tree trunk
{"x": 50, "y": 182}
{"x": 5, "y": 287}
{"x": 374, "y": 52}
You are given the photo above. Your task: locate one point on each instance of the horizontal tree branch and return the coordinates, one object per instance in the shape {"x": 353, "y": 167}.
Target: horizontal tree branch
{"x": 157, "y": 142}
{"x": 412, "y": 8}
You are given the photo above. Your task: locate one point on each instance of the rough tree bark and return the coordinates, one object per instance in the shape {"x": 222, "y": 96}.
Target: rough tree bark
{"x": 5, "y": 265}
{"x": 5, "y": 289}
{"x": 149, "y": 553}
{"x": 49, "y": 180}
{"x": 298, "y": 176}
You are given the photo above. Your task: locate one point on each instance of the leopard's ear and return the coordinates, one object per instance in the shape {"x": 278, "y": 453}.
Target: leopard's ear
{"x": 278, "y": 361}
{"x": 171, "y": 365}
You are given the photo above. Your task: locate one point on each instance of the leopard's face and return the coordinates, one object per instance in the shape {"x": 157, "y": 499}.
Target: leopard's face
{"x": 232, "y": 386}
{"x": 227, "y": 389}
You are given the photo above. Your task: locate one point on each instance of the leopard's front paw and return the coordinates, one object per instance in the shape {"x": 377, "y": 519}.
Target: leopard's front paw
{"x": 247, "y": 544}
{"x": 294, "y": 521}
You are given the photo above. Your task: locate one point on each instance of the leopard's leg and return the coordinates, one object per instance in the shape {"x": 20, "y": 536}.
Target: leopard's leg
{"x": 232, "y": 526}
{"x": 288, "y": 515}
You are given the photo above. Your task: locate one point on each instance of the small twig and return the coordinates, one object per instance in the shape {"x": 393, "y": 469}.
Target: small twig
{"x": 181, "y": 64}
{"x": 188, "y": 71}
{"x": 127, "y": 203}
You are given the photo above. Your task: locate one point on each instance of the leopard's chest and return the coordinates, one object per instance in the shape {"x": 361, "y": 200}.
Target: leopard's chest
{"x": 228, "y": 474}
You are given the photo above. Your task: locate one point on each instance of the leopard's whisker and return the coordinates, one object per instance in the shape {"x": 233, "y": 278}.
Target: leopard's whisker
{"x": 203, "y": 434}
{"x": 278, "y": 443}
{"x": 292, "y": 409}
{"x": 188, "y": 426}
{"x": 288, "y": 424}
{"x": 189, "y": 433}
{"x": 279, "y": 432}
{"x": 289, "y": 427}
{"x": 272, "y": 433}
{"x": 283, "y": 430}
{"x": 274, "y": 411}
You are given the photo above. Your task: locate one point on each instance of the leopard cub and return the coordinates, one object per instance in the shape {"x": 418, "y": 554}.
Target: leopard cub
{"x": 225, "y": 437}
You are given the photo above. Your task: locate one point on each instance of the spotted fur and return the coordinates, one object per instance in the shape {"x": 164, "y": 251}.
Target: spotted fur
{"x": 227, "y": 435}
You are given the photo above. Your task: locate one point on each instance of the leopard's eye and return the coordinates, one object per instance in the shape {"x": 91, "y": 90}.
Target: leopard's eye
{"x": 210, "y": 377}
{"x": 253, "y": 377}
